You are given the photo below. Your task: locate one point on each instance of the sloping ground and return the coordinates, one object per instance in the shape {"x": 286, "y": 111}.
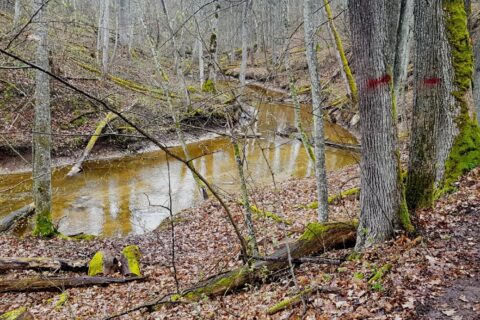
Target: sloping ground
{"x": 426, "y": 272}
{"x": 131, "y": 81}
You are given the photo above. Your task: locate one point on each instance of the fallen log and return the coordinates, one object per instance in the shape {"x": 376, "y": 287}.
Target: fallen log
{"x": 57, "y": 283}
{"x": 316, "y": 239}
{"x": 77, "y": 167}
{"x": 10, "y": 220}
{"x": 42, "y": 263}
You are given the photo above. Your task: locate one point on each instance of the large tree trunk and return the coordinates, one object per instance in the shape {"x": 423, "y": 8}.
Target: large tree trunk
{"x": 42, "y": 139}
{"x": 445, "y": 142}
{"x": 319, "y": 138}
{"x": 381, "y": 199}
{"x": 433, "y": 86}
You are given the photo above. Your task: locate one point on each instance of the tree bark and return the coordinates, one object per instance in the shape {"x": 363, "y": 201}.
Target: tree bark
{"x": 432, "y": 98}
{"x": 381, "y": 200}
{"x": 319, "y": 137}
{"x": 402, "y": 58}
{"x": 124, "y": 23}
{"x": 455, "y": 134}
{"x": 247, "y": 7}
{"x": 42, "y": 139}
{"x": 105, "y": 35}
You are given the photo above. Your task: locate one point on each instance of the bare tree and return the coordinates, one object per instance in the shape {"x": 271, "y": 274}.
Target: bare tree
{"x": 319, "y": 138}
{"x": 42, "y": 139}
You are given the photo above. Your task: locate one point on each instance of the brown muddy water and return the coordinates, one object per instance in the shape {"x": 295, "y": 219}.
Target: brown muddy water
{"x": 119, "y": 197}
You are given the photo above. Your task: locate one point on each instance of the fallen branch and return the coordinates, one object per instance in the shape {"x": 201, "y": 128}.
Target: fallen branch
{"x": 10, "y": 220}
{"x": 41, "y": 263}
{"x": 57, "y": 283}
{"x": 298, "y": 298}
{"x": 316, "y": 239}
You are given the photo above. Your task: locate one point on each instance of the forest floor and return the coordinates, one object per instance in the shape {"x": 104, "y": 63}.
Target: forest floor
{"x": 435, "y": 275}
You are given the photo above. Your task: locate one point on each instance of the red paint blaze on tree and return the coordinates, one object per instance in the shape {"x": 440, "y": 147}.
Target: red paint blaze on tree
{"x": 375, "y": 83}
{"x": 432, "y": 81}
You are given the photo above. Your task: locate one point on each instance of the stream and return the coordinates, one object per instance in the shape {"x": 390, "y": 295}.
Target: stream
{"x": 121, "y": 196}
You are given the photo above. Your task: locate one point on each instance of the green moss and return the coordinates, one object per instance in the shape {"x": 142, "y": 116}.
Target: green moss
{"x": 380, "y": 273}
{"x": 44, "y": 227}
{"x": 176, "y": 297}
{"x": 354, "y": 256}
{"x": 315, "y": 229}
{"x": 465, "y": 153}
{"x": 464, "y": 156}
{"x": 14, "y": 314}
{"x": 342, "y": 269}
{"x": 192, "y": 89}
{"x": 358, "y": 276}
{"x": 132, "y": 254}
{"x": 62, "y": 299}
{"x": 288, "y": 302}
{"x": 209, "y": 86}
{"x": 269, "y": 215}
{"x": 95, "y": 267}
{"x": 459, "y": 39}
{"x": 335, "y": 197}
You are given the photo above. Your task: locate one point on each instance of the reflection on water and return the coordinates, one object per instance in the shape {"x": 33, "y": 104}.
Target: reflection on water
{"x": 117, "y": 197}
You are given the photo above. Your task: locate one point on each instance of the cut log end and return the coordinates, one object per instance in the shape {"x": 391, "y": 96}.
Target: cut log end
{"x": 102, "y": 263}
{"x": 130, "y": 261}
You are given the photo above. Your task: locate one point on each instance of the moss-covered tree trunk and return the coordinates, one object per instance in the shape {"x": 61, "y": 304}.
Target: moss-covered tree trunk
{"x": 382, "y": 205}
{"x": 445, "y": 137}
{"x": 42, "y": 139}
